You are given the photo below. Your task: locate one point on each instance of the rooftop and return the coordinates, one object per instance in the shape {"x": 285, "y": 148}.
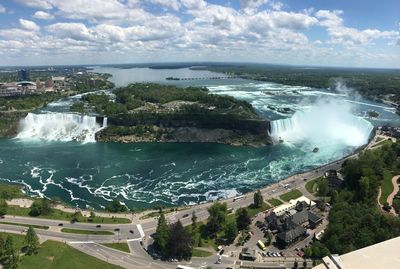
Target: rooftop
{"x": 384, "y": 255}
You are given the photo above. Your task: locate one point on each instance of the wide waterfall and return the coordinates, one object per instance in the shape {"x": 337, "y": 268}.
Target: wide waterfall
{"x": 321, "y": 126}
{"x": 59, "y": 127}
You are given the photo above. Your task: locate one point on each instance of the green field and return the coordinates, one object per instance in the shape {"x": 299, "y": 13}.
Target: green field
{"x": 9, "y": 191}
{"x": 118, "y": 246}
{"x": 57, "y": 214}
{"x": 254, "y": 211}
{"x": 26, "y": 225}
{"x": 293, "y": 194}
{"x": 18, "y": 239}
{"x": 201, "y": 253}
{"x": 386, "y": 186}
{"x": 55, "y": 255}
{"x": 310, "y": 185}
{"x": 79, "y": 231}
{"x": 274, "y": 202}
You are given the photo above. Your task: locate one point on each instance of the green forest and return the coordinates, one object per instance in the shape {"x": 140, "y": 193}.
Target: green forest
{"x": 163, "y": 105}
{"x": 355, "y": 220}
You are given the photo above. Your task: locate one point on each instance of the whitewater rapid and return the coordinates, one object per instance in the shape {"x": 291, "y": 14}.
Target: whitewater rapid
{"x": 59, "y": 127}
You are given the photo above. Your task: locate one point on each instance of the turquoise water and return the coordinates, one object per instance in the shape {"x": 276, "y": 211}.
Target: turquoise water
{"x": 145, "y": 174}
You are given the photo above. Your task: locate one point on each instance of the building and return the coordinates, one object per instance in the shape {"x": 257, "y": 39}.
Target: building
{"x": 23, "y": 75}
{"x": 279, "y": 210}
{"x": 290, "y": 225}
{"x": 384, "y": 255}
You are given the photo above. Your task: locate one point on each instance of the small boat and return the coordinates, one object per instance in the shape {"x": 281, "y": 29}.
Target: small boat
{"x": 315, "y": 150}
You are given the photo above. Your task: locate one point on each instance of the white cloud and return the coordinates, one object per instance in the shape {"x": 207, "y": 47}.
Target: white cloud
{"x": 41, "y": 15}
{"x": 170, "y": 4}
{"x": 42, "y": 4}
{"x": 76, "y": 31}
{"x": 251, "y": 6}
{"x": 29, "y": 25}
{"x": 187, "y": 30}
{"x": 340, "y": 34}
{"x": 2, "y": 9}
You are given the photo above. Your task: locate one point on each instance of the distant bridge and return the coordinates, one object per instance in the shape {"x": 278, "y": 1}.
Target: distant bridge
{"x": 200, "y": 78}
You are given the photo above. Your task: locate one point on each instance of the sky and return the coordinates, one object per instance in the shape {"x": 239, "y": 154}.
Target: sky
{"x": 350, "y": 33}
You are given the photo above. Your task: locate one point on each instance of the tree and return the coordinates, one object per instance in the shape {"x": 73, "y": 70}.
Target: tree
{"x": 243, "y": 219}
{"x": 31, "y": 241}
{"x": 231, "y": 231}
{"x": 162, "y": 235}
{"x": 116, "y": 206}
{"x": 179, "y": 242}
{"x": 76, "y": 216}
{"x": 9, "y": 246}
{"x": 323, "y": 188}
{"x": 46, "y": 206}
{"x": 3, "y": 207}
{"x": 258, "y": 199}
{"x": 194, "y": 221}
{"x": 35, "y": 209}
{"x": 2, "y": 246}
{"x": 11, "y": 262}
{"x": 217, "y": 218}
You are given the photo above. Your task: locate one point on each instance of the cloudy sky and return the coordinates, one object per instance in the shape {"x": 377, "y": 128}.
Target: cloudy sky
{"x": 301, "y": 32}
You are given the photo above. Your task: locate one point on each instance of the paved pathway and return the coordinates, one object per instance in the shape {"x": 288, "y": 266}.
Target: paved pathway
{"x": 393, "y": 194}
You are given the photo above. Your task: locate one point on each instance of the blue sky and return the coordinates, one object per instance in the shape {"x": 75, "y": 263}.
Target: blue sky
{"x": 300, "y": 32}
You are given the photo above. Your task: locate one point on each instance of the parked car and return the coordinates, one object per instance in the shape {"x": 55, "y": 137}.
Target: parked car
{"x": 116, "y": 229}
{"x": 185, "y": 216}
{"x": 60, "y": 224}
{"x": 131, "y": 231}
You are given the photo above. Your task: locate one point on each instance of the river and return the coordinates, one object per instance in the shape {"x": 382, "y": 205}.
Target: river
{"x": 144, "y": 175}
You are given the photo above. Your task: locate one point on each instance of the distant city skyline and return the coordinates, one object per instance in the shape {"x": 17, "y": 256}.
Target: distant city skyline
{"x": 316, "y": 33}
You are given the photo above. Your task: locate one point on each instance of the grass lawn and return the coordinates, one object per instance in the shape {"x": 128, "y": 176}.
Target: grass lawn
{"x": 9, "y": 191}
{"x": 150, "y": 215}
{"x": 254, "y": 211}
{"x": 18, "y": 239}
{"x": 312, "y": 185}
{"x": 119, "y": 246}
{"x": 386, "y": 186}
{"x": 78, "y": 231}
{"x": 61, "y": 215}
{"x": 55, "y": 255}
{"x": 201, "y": 253}
{"x": 274, "y": 202}
{"x": 293, "y": 194}
{"x": 26, "y": 225}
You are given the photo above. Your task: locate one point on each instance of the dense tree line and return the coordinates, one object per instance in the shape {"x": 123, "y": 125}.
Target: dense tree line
{"x": 355, "y": 221}
{"x": 27, "y": 102}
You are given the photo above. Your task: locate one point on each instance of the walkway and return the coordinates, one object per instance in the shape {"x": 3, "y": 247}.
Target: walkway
{"x": 393, "y": 194}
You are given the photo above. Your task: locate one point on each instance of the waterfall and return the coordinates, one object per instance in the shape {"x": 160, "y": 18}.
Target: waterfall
{"x": 59, "y": 127}
{"x": 319, "y": 127}
{"x": 104, "y": 122}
